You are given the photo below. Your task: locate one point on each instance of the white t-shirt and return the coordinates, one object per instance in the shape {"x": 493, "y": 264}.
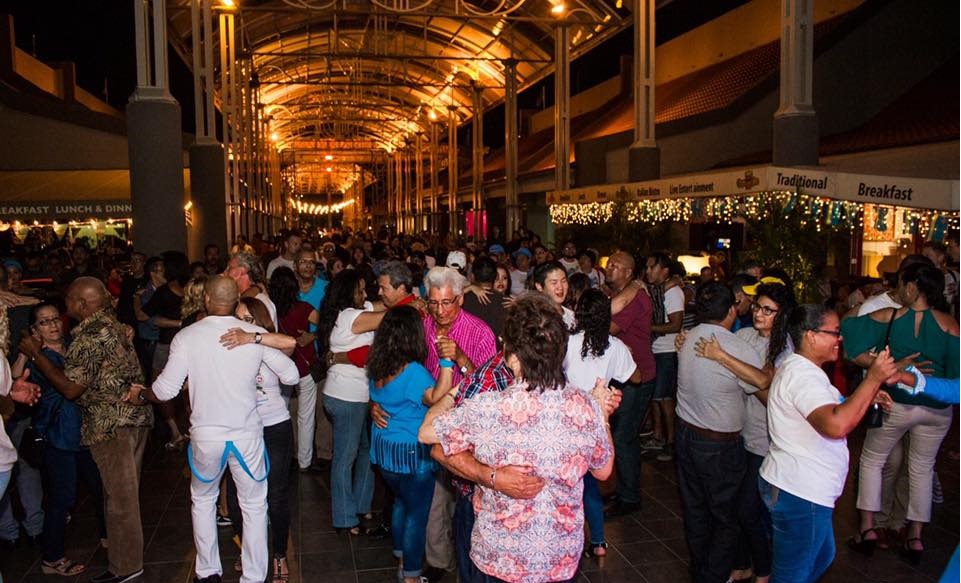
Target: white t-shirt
{"x": 271, "y": 308}
{"x": 616, "y": 363}
{"x": 568, "y": 316}
{"x": 673, "y": 303}
{"x": 346, "y": 381}
{"x": 272, "y": 406}
{"x": 801, "y": 461}
{"x": 570, "y": 265}
{"x": 881, "y": 301}
{"x": 223, "y": 394}
{"x": 518, "y": 281}
{"x": 8, "y": 453}
{"x": 279, "y": 261}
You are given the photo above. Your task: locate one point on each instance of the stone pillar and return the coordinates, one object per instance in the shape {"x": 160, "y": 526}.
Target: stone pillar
{"x": 419, "y": 185}
{"x": 477, "y": 165}
{"x": 452, "y": 177}
{"x": 562, "y": 107}
{"x": 796, "y": 135}
{"x": 644, "y": 157}
{"x": 434, "y": 224}
{"x": 510, "y": 147}
{"x": 155, "y": 141}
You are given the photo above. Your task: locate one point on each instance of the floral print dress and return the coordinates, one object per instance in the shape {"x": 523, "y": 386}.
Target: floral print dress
{"x": 561, "y": 435}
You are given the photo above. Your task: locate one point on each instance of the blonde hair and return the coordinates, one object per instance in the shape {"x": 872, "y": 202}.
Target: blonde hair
{"x": 4, "y": 331}
{"x": 193, "y": 296}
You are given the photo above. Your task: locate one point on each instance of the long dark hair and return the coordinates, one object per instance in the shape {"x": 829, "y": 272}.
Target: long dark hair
{"x": 929, "y": 281}
{"x": 283, "y": 289}
{"x": 339, "y": 297}
{"x": 399, "y": 340}
{"x": 535, "y": 333}
{"x": 784, "y": 298}
{"x": 593, "y": 318}
{"x": 259, "y": 312}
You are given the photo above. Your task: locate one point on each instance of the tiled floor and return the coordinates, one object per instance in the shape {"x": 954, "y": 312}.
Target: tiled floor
{"x": 647, "y": 547}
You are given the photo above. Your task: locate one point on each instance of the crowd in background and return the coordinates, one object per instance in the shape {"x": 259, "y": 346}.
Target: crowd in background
{"x": 491, "y": 388}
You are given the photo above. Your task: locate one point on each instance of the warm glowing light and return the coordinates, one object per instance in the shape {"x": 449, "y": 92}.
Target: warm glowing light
{"x": 329, "y": 157}
{"x": 189, "y": 205}
{"x": 558, "y": 9}
{"x": 274, "y": 137}
{"x": 432, "y": 115}
{"x": 330, "y": 169}
{"x": 619, "y": 4}
{"x": 228, "y": 3}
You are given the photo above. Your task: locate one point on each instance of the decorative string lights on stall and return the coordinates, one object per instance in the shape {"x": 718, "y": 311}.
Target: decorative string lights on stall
{"x": 820, "y": 211}
{"x": 319, "y": 209}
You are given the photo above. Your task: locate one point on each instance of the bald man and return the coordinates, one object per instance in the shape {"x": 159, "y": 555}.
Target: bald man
{"x": 226, "y": 429}
{"x": 101, "y": 366}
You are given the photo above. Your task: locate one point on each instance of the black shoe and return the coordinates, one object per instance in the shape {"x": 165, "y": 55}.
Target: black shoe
{"x": 215, "y": 578}
{"x": 433, "y": 574}
{"x": 34, "y": 540}
{"x": 9, "y": 545}
{"x": 863, "y": 545}
{"x": 108, "y": 577}
{"x": 622, "y": 509}
{"x": 912, "y": 556}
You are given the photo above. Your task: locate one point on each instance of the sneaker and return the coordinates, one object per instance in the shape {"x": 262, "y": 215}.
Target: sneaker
{"x": 108, "y": 577}
{"x": 666, "y": 454}
{"x": 652, "y": 444}
{"x": 224, "y": 520}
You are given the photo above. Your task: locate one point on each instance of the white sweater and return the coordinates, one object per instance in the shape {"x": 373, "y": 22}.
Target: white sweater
{"x": 223, "y": 393}
{"x": 8, "y": 454}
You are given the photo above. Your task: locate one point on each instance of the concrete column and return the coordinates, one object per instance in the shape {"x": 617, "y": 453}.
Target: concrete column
{"x": 644, "y": 157}
{"x": 477, "y": 155}
{"x": 155, "y": 143}
{"x": 434, "y": 224}
{"x": 207, "y": 188}
{"x": 796, "y": 135}
{"x": 452, "y": 171}
{"x": 419, "y": 185}
{"x": 510, "y": 147}
{"x": 562, "y": 107}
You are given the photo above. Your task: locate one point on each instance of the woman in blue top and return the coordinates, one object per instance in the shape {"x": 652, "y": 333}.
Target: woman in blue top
{"x": 404, "y": 389}
{"x": 64, "y": 458}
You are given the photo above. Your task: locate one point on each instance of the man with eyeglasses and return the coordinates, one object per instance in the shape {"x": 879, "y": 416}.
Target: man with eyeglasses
{"x": 452, "y": 334}
{"x": 711, "y": 459}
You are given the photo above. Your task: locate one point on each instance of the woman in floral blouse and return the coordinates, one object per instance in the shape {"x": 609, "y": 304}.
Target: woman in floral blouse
{"x": 541, "y": 422}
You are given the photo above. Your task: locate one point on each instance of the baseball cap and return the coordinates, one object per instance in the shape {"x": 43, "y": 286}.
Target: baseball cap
{"x": 495, "y": 248}
{"x": 457, "y": 259}
{"x": 751, "y": 290}
{"x": 522, "y": 251}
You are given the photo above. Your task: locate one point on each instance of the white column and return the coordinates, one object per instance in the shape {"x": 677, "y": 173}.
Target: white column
{"x": 510, "y": 146}
{"x": 562, "y": 107}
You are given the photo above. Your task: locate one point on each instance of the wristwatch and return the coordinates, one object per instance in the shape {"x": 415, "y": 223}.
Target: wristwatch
{"x": 463, "y": 370}
{"x": 258, "y": 337}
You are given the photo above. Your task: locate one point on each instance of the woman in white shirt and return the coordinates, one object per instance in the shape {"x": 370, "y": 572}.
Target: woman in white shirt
{"x": 347, "y": 322}
{"x": 594, "y": 355}
{"x": 804, "y": 471}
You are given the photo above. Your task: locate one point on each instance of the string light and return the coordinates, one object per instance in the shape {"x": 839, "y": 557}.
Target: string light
{"x": 319, "y": 209}
{"x": 821, "y": 211}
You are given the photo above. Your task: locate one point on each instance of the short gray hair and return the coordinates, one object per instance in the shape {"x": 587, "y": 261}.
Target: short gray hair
{"x": 441, "y": 277}
{"x": 252, "y": 264}
{"x": 399, "y": 274}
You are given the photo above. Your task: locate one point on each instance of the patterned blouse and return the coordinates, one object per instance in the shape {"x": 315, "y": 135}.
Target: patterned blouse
{"x": 102, "y": 359}
{"x": 561, "y": 435}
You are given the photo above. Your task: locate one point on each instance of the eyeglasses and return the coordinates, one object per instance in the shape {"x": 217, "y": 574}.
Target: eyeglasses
{"x": 766, "y": 310}
{"x": 443, "y": 303}
{"x": 248, "y": 319}
{"x": 835, "y": 333}
{"x": 49, "y": 322}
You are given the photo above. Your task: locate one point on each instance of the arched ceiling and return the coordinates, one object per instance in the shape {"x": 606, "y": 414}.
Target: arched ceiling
{"x": 370, "y": 74}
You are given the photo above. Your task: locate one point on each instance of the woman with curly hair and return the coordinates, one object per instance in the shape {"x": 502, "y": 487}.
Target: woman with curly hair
{"x": 592, "y": 354}
{"x": 347, "y": 321}
{"x": 772, "y": 305}
{"x": 193, "y": 307}
{"x": 404, "y": 389}
{"x": 540, "y": 421}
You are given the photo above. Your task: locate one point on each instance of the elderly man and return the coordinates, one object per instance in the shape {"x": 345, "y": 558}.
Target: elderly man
{"x": 711, "y": 458}
{"x": 101, "y": 366}
{"x": 225, "y": 426}
{"x": 291, "y": 247}
{"x": 451, "y": 334}
{"x": 246, "y": 270}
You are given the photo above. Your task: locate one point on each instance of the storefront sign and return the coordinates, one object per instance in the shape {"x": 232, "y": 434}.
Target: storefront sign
{"x": 79, "y": 211}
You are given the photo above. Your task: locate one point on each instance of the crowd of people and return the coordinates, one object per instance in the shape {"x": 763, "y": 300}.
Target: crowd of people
{"x": 489, "y": 388}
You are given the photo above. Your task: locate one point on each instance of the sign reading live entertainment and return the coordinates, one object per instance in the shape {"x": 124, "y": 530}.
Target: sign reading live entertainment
{"x": 887, "y": 190}
{"x": 77, "y": 211}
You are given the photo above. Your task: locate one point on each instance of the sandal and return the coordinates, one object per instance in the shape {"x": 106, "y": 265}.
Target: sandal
{"x": 281, "y": 573}
{"x": 596, "y": 550}
{"x": 912, "y": 556}
{"x": 863, "y": 545}
{"x": 64, "y": 567}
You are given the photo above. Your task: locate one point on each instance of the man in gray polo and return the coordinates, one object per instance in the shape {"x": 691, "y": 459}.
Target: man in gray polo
{"x": 711, "y": 458}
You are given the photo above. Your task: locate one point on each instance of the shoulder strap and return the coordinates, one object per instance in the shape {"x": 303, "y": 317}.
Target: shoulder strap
{"x": 887, "y": 333}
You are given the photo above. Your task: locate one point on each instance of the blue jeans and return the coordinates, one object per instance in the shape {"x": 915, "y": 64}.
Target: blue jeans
{"x": 62, "y": 468}
{"x": 408, "y": 522}
{"x": 625, "y": 427}
{"x": 467, "y": 571}
{"x": 593, "y": 509}
{"x": 803, "y": 536}
{"x": 665, "y": 383}
{"x": 709, "y": 476}
{"x": 30, "y": 490}
{"x": 351, "y": 479}
{"x": 754, "y": 550}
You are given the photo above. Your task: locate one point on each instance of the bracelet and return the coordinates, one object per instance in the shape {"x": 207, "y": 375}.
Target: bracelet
{"x": 493, "y": 478}
{"x": 446, "y": 363}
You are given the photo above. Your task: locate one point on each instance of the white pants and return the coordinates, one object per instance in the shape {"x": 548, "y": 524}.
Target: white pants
{"x": 927, "y": 428}
{"x": 252, "y": 496}
{"x": 306, "y": 420}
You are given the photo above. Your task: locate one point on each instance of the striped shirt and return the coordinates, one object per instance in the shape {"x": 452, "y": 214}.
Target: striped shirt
{"x": 472, "y": 335}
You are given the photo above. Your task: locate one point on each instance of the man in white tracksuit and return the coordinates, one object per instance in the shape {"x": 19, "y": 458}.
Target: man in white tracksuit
{"x": 226, "y": 429}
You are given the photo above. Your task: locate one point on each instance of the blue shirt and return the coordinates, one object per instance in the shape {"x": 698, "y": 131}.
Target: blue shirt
{"x": 57, "y": 417}
{"x": 315, "y": 294}
{"x": 396, "y": 448}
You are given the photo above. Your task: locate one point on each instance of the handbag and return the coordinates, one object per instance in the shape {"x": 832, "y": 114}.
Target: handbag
{"x": 33, "y": 446}
{"x": 874, "y": 417}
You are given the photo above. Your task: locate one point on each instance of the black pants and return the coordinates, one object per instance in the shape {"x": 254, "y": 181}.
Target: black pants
{"x": 754, "y": 549}
{"x": 709, "y": 475}
{"x": 625, "y": 427}
{"x": 279, "y": 440}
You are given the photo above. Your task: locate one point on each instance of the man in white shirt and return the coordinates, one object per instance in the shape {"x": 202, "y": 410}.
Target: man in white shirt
{"x": 226, "y": 428}
{"x": 291, "y": 247}
{"x": 248, "y": 272}
{"x": 665, "y": 325}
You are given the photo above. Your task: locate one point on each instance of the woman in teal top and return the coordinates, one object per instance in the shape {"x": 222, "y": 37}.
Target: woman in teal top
{"x": 404, "y": 389}
{"x": 921, "y": 334}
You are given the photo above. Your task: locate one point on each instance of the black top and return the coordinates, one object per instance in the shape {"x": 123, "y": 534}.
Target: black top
{"x": 492, "y": 314}
{"x": 165, "y": 303}
{"x": 128, "y": 288}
